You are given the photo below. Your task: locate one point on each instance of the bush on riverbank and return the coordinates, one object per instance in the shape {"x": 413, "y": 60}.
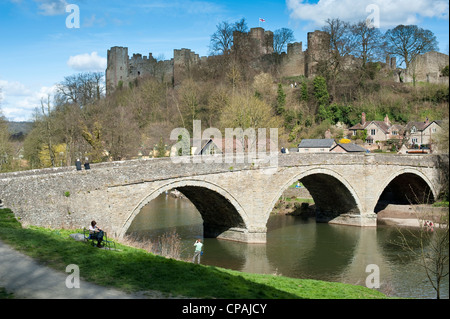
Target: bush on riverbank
{"x": 133, "y": 270}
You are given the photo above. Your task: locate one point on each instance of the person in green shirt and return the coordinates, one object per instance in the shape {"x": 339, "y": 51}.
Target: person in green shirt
{"x": 198, "y": 250}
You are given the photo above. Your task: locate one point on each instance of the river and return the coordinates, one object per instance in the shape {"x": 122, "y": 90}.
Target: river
{"x": 297, "y": 247}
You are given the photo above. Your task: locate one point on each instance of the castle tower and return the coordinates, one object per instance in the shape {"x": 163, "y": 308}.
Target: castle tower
{"x": 117, "y": 68}
{"x": 258, "y": 39}
{"x": 318, "y": 50}
{"x": 183, "y": 60}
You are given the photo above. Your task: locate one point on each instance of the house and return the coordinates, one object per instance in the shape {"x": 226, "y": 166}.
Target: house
{"x": 215, "y": 146}
{"x": 422, "y": 133}
{"x": 377, "y": 130}
{"x": 348, "y": 148}
{"x": 316, "y": 145}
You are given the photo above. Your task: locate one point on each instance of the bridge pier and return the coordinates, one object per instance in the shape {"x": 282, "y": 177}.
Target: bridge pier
{"x": 257, "y": 236}
{"x": 360, "y": 220}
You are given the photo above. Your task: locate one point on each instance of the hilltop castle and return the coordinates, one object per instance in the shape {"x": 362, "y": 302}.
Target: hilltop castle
{"x": 122, "y": 70}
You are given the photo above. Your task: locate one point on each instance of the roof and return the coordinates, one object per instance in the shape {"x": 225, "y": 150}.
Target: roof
{"x": 224, "y": 145}
{"x": 420, "y": 126}
{"x": 316, "y": 143}
{"x": 350, "y": 147}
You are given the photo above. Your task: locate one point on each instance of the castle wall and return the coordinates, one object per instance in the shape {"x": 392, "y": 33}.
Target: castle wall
{"x": 293, "y": 63}
{"x": 427, "y": 68}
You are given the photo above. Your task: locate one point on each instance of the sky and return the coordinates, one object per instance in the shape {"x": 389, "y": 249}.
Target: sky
{"x": 41, "y": 42}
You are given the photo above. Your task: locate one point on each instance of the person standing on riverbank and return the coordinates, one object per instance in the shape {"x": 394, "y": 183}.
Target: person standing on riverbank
{"x": 198, "y": 250}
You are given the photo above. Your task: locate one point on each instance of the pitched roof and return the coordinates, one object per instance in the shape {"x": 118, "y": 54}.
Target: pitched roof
{"x": 358, "y": 126}
{"x": 316, "y": 143}
{"x": 421, "y": 125}
{"x": 350, "y": 147}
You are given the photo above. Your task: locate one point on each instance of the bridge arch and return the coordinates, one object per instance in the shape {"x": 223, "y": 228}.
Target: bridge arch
{"x": 332, "y": 193}
{"x": 220, "y": 210}
{"x": 406, "y": 186}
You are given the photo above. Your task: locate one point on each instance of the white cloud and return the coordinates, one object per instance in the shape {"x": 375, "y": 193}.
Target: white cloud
{"x": 18, "y": 102}
{"x": 52, "y": 7}
{"x": 87, "y": 62}
{"x": 391, "y": 12}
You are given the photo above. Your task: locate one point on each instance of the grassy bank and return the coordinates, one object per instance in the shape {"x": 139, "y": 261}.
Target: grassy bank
{"x": 134, "y": 270}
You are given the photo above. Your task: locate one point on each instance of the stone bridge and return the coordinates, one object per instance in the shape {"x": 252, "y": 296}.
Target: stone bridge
{"x": 234, "y": 199}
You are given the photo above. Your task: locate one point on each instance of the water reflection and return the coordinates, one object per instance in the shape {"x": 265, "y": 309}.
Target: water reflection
{"x": 296, "y": 247}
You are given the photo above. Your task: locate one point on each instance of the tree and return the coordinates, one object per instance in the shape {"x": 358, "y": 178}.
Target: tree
{"x": 340, "y": 47}
{"x": 160, "y": 148}
{"x": 240, "y": 26}
{"x": 222, "y": 39}
{"x": 304, "y": 92}
{"x": 367, "y": 42}
{"x": 281, "y": 100}
{"x": 245, "y": 110}
{"x": 81, "y": 89}
{"x": 5, "y": 145}
{"x": 429, "y": 245}
{"x": 409, "y": 41}
{"x": 48, "y": 133}
{"x": 321, "y": 91}
{"x": 281, "y": 38}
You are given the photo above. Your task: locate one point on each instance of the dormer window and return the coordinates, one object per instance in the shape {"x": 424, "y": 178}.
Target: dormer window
{"x": 413, "y": 129}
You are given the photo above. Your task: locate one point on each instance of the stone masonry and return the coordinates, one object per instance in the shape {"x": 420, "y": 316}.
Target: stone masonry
{"x": 234, "y": 199}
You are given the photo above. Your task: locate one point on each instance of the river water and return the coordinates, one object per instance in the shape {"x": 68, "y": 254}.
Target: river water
{"x": 297, "y": 247}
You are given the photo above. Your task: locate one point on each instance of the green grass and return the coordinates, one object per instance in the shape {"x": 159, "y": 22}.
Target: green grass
{"x": 133, "y": 270}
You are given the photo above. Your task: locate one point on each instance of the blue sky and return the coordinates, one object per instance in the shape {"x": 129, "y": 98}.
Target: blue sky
{"x": 38, "y": 49}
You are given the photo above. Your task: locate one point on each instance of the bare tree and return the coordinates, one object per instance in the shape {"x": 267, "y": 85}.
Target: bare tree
{"x": 222, "y": 39}
{"x": 240, "y": 26}
{"x": 340, "y": 47}
{"x": 5, "y": 145}
{"x": 82, "y": 88}
{"x": 429, "y": 245}
{"x": 409, "y": 41}
{"x": 48, "y": 129}
{"x": 281, "y": 38}
{"x": 367, "y": 42}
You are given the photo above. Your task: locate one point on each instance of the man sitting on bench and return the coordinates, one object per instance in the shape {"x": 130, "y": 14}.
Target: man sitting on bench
{"x": 96, "y": 233}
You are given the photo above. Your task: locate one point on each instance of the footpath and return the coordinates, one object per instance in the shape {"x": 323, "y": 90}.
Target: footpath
{"x": 26, "y": 279}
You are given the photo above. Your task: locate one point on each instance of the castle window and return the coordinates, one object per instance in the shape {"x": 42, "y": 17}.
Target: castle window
{"x": 121, "y": 68}
{"x": 139, "y": 73}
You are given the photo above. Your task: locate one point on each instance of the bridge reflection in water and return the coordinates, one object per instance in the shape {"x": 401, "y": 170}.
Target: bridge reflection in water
{"x": 296, "y": 247}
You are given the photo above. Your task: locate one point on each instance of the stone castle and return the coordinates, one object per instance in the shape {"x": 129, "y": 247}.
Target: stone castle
{"x": 122, "y": 70}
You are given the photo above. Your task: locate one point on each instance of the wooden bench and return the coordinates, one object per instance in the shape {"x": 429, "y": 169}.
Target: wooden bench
{"x": 94, "y": 241}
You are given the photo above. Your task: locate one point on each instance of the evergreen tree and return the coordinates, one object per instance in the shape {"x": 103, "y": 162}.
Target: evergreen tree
{"x": 281, "y": 100}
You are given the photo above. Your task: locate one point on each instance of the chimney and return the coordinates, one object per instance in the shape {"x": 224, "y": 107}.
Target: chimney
{"x": 363, "y": 118}
{"x": 386, "y": 120}
{"x": 427, "y": 121}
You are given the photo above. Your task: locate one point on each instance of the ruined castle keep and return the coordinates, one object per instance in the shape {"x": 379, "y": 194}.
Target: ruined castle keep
{"x": 123, "y": 71}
